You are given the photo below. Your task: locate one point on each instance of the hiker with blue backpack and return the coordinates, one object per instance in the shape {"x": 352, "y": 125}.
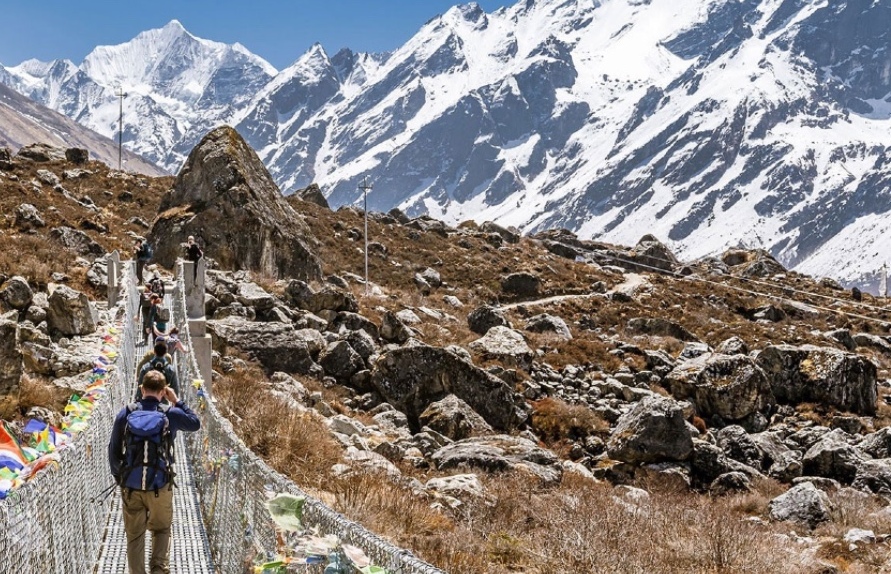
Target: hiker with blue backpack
{"x": 158, "y": 359}
{"x": 140, "y": 454}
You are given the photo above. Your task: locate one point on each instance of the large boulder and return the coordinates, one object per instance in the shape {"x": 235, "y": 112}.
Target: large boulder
{"x": 650, "y": 254}
{"x": 17, "y": 293}
{"x": 833, "y": 457}
{"x": 545, "y": 323}
{"x": 394, "y": 330}
{"x": 76, "y": 241}
{"x": 277, "y": 346}
{"x": 481, "y": 319}
{"x": 762, "y": 264}
{"x": 522, "y": 284}
{"x": 505, "y": 345}
{"x": 821, "y": 375}
{"x": 802, "y": 503}
{"x": 27, "y": 217}
{"x": 499, "y": 453}
{"x": 70, "y": 312}
{"x": 455, "y": 419}
{"x": 341, "y": 361}
{"x": 730, "y": 386}
{"x": 411, "y": 378}
{"x": 252, "y": 295}
{"x": 653, "y": 431}
{"x": 311, "y": 194}
{"x": 225, "y": 196}
{"x": 41, "y": 152}
{"x": 10, "y": 370}
{"x": 509, "y": 235}
{"x": 328, "y": 298}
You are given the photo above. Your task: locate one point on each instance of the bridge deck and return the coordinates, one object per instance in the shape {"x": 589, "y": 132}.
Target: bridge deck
{"x": 189, "y": 552}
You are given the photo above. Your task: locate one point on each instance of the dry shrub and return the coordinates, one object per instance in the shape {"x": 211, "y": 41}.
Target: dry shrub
{"x": 755, "y": 502}
{"x": 37, "y": 392}
{"x": 555, "y": 420}
{"x": 587, "y": 527}
{"x": 852, "y": 509}
{"x": 883, "y": 410}
{"x": 294, "y": 443}
{"x": 33, "y": 257}
{"x": 375, "y": 501}
{"x": 269, "y": 283}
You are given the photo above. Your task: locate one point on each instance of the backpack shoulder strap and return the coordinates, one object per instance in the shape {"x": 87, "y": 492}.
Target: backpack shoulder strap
{"x": 133, "y": 407}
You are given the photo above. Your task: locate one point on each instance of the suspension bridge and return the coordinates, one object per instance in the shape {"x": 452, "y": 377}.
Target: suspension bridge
{"x": 57, "y": 523}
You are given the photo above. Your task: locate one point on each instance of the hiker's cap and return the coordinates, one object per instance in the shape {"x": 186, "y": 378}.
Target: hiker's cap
{"x": 161, "y": 340}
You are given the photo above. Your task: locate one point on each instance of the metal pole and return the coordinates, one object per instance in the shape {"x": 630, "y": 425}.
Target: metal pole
{"x": 366, "y": 187}
{"x": 120, "y": 94}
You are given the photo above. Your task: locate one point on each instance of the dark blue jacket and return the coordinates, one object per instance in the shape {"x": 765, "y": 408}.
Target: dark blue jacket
{"x": 180, "y": 418}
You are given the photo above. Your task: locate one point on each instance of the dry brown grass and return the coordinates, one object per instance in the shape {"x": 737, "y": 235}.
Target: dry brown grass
{"x": 585, "y": 527}
{"x": 883, "y": 410}
{"x": 554, "y": 420}
{"x": 35, "y": 258}
{"x": 38, "y": 392}
{"x": 295, "y": 444}
{"x": 33, "y": 255}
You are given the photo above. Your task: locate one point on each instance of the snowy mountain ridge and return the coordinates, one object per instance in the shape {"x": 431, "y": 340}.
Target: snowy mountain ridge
{"x": 716, "y": 123}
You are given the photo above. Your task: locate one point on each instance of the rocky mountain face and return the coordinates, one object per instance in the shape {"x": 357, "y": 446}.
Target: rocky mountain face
{"x": 23, "y": 122}
{"x": 710, "y": 124}
{"x": 226, "y": 198}
{"x": 178, "y": 87}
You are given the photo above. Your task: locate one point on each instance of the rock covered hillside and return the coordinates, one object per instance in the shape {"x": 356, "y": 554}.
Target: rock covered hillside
{"x": 497, "y": 398}
{"x": 755, "y": 123}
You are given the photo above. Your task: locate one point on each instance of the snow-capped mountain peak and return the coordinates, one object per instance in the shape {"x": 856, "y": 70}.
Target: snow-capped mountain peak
{"x": 710, "y": 123}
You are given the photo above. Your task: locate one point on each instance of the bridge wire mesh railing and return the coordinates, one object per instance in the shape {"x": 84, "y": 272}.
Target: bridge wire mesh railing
{"x": 233, "y": 485}
{"x": 55, "y": 522}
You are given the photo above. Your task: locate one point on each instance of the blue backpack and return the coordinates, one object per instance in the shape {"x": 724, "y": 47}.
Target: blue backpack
{"x": 148, "y": 449}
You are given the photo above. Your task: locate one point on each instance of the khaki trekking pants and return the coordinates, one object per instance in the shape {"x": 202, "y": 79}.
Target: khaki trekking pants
{"x": 145, "y": 510}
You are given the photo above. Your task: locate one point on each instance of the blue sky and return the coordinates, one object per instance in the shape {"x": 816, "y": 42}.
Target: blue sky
{"x": 277, "y": 30}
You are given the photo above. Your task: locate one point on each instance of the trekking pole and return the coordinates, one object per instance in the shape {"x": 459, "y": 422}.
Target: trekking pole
{"x": 100, "y": 498}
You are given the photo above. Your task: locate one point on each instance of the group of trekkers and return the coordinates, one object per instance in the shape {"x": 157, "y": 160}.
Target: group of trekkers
{"x": 140, "y": 451}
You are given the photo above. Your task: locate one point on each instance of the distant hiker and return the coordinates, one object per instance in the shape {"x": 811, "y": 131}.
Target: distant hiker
{"x": 856, "y": 295}
{"x": 193, "y": 254}
{"x": 174, "y": 345}
{"x": 157, "y": 285}
{"x": 145, "y": 305}
{"x": 143, "y": 255}
{"x": 140, "y": 454}
{"x": 160, "y": 317}
{"x": 158, "y": 360}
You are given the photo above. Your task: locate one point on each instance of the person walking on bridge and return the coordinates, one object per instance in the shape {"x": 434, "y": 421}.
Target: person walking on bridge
{"x": 140, "y": 454}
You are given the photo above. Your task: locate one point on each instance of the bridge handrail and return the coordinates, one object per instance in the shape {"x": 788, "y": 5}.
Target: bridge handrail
{"x": 233, "y": 484}
{"x": 55, "y": 522}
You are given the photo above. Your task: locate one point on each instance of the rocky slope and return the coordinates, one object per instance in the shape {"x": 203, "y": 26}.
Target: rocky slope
{"x": 487, "y": 376}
